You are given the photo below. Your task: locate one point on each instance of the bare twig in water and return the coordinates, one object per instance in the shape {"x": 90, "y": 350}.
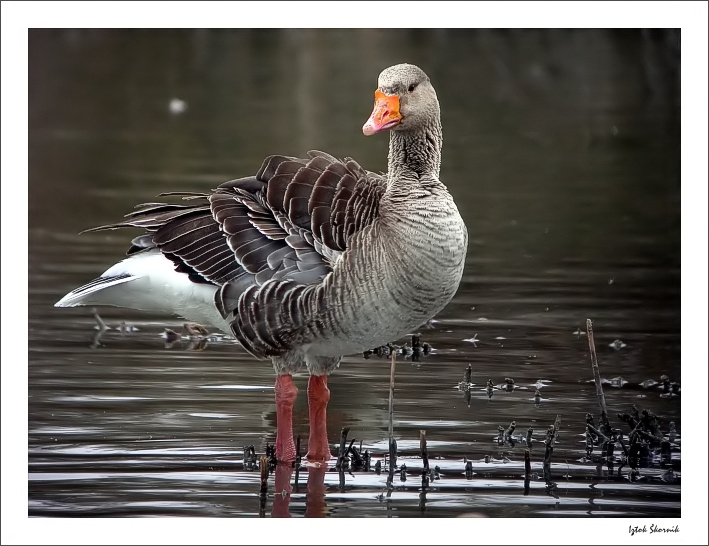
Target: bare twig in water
{"x": 489, "y": 389}
{"x": 271, "y": 455}
{"x": 468, "y": 470}
{"x": 549, "y": 442}
{"x": 606, "y": 431}
{"x": 96, "y": 338}
{"x": 391, "y": 395}
{"x": 392, "y": 462}
{"x": 500, "y": 435}
{"x": 424, "y": 451}
{"x": 264, "y": 475}
{"x": 263, "y": 463}
{"x": 605, "y": 425}
{"x": 341, "y": 476}
{"x": 101, "y": 324}
{"x": 358, "y": 459}
{"x": 195, "y": 330}
{"x": 342, "y": 452}
{"x": 392, "y": 442}
{"x": 424, "y": 457}
{"x": 171, "y": 336}
{"x": 250, "y": 459}
{"x": 557, "y": 426}
{"x": 510, "y": 430}
{"x": 298, "y": 459}
{"x": 350, "y": 449}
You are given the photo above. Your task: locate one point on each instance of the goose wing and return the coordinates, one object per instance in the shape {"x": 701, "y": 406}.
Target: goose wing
{"x": 264, "y": 239}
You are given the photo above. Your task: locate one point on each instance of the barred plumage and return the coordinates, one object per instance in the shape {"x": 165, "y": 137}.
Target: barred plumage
{"x": 314, "y": 258}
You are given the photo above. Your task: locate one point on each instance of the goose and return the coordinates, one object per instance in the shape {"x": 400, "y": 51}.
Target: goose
{"x": 310, "y": 259}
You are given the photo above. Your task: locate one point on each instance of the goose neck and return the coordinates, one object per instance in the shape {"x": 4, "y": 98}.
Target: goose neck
{"x": 415, "y": 153}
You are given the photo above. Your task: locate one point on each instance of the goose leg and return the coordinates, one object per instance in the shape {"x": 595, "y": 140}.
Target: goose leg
{"x": 286, "y": 392}
{"x": 318, "y": 397}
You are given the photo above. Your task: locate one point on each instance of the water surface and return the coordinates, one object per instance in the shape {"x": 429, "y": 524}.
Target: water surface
{"x": 562, "y": 151}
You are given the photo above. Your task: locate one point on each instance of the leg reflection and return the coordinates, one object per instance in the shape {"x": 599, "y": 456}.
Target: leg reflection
{"x": 315, "y": 505}
{"x": 282, "y": 491}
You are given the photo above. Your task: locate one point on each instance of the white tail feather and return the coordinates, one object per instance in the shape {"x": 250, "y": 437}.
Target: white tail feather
{"x": 87, "y": 294}
{"x": 147, "y": 281}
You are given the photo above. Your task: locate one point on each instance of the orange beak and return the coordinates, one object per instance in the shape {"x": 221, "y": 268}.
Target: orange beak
{"x": 385, "y": 114}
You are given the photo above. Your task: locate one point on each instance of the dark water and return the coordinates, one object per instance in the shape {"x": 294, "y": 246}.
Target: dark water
{"x": 562, "y": 151}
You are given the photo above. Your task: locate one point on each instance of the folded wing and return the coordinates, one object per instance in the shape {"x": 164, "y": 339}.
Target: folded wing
{"x": 266, "y": 241}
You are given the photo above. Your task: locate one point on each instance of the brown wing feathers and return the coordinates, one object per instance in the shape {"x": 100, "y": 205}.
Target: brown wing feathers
{"x": 283, "y": 225}
{"x": 322, "y": 202}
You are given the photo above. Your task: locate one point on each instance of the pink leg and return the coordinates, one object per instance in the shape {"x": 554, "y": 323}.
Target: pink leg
{"x": 286, "y": 392}
{"x": 318, "y": 397}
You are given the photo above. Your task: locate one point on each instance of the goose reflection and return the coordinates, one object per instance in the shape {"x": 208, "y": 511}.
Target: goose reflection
{"x": 315, "y": 504}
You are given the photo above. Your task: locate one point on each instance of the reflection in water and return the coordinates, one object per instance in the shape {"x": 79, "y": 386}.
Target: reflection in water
{"x": 494, "y": 477}
{"x": 562, "y": 150}
{"x": 315, "y": 501}
{"x": 316, "y": 506}
{"x": 282, "y": 491}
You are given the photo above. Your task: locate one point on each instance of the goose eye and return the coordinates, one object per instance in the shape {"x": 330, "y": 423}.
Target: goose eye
{"x": 412, "y": 87}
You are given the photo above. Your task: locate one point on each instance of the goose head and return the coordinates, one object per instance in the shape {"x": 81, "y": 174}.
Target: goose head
{"x": 404, "y": 101}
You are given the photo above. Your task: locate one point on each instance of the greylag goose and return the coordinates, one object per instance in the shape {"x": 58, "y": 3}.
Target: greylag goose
{"x": 309, "y": 259}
